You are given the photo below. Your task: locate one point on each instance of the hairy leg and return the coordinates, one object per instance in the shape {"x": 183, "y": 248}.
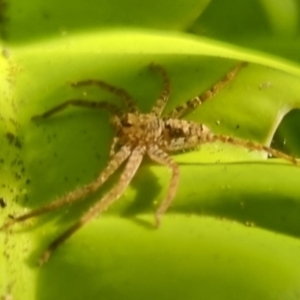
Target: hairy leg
{"x": 81, "y": 103}
{"x": 79, "y": 193}
{"x": 195, "y": 102}
{"x": 114, "y": 194}
{"x": 113, "y": 146}
{"x": 160, "y": 103}
{"x": 200, "y": 134}
{"x": 251, "y": 146}
{"x": 119, "y": 92}
{"x": 162, "y": 158}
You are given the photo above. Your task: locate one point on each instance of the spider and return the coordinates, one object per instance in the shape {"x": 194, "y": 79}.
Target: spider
{"x": 137, "y": 135}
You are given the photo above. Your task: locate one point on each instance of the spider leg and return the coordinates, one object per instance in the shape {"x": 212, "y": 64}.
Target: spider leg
{"x": 164, "y": 159}
{"x": 81, "y": 103}
{"x": 79, "y": 193}
{"x": 164, "y": 96}
{"x": 119, "y": 92}
{"x": 113, "y": 146}
{"x": 200, "y": 134}
{"x": 198, "y": 100}
{"x": 251, "y": 146}
{"x": 114, "y": 194}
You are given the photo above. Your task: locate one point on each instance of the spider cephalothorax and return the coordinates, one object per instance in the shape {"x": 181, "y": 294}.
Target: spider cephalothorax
{"x": 137, "y": 135}
{"x": 140, "y": 129}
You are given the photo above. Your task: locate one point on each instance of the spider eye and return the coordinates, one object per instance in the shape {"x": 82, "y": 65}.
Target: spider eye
{"x": 126, "y": 123}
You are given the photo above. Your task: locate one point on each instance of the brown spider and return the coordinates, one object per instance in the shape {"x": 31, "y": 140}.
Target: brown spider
{"x": 137, "y": 135}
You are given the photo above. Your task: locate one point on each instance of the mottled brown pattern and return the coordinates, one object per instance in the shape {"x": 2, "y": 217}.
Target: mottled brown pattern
{"x": 137, "y": 135}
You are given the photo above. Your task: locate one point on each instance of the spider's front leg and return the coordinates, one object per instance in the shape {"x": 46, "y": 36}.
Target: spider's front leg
{"x": 119, "y": 92}
{"x": 163, "y": 158}
{"x": 79, "y": 193}
{"x": 162, "y": 100}
{"x": 113, "y": 146}
{"x": 114, "y": 194}
{"x": 113, "y": 109}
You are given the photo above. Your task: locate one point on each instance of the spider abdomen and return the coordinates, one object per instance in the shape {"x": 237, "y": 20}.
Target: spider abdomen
{"x": 181, "y": 134}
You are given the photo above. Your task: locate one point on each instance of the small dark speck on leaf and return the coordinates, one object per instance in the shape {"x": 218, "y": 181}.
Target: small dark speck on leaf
{"x": 18, "y": 176}
{"x": 2, "y": 203}
{"x": 13, "y": 139}
{"x": 10, "y": 137}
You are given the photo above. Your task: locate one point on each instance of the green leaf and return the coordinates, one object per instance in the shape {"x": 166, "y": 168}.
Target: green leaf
{"x": 37, "y": 19}
{"x": 265, "y": 25}
{"x": 204, "y": 248}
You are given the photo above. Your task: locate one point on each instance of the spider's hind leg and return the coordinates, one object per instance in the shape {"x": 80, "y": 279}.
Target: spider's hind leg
{"x": 198, "y": 100}
{"x": 251, "y": 146}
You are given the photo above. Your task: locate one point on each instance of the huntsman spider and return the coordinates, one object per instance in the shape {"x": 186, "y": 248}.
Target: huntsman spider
{"x": 137, "y": 135}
